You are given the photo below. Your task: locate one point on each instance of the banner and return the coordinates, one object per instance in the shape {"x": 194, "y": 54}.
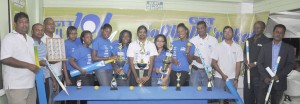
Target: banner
{"x": 157, "y": 21}
{"x": 15, "y": 6}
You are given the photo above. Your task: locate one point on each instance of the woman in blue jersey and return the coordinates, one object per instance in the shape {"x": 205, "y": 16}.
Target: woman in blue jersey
{"x": 70, "y": 46}
{"x": 82, "y": 57}
{"x": 183, "y": 52}
{"x": 124, "y": 39}
{"x": 160, "y": 42}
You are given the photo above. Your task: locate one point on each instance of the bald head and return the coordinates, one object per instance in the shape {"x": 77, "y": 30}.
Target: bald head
{"x": 49, "y": 26}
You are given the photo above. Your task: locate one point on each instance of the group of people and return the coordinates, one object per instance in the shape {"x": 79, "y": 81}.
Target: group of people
{"x": 226, "y": 58}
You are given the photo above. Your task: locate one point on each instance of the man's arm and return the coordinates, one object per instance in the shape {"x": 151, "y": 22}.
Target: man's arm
{"x": 260, "y": 64}
{"x": 10, "y": 61}
{"x": 289, "y": 65}
{"x": 215, "y": 65}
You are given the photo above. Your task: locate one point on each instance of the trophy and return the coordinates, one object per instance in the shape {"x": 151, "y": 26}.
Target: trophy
{"x": 113, "y": 83}
{"x": 164, "y": 71}
{"x": 210, "y": 77}
{"x": 120, "y": 63}
{"x": 141, "y": 65}
{"x": 178, "y": 81}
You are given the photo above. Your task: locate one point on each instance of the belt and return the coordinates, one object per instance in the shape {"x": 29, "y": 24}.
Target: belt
{"x": 196, "y": 68}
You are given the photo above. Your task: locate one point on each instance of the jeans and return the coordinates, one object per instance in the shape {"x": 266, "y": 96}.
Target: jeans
{"x": 104, "y": 77}
{"x": 198, "y": 78}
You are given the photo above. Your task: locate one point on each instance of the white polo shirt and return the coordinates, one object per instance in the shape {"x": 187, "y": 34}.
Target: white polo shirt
{"x": 57, "y": 67}
{"x": 205, "y": 46}
{"x": 227, "y": 56}
{"x": 16, "y": 46}
{"x": 134, "y": 51}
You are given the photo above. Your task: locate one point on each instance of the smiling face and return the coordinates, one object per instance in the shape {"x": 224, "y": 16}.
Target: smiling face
{"x": 125, "y": 38}
{"x": 142, "y": 34}
{"x": 106, "y": 32}
{"x": 160, "y": 42}
{"x": 201, "y": 29}
{"x": 182, "y": 32}
{"x": 87, "y": 39}
{"x": 228, "y": 34}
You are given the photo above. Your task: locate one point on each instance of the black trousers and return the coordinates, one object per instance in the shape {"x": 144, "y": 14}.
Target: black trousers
{"x": 132, "y": 81}
{"x": 275, "y": 96}
{"x": 251, "y": 95}
{"x": 183, "y": 78}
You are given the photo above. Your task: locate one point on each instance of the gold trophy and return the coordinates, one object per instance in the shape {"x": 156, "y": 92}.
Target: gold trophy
{"x": 164, "y": 71}
{"x": 178, "y": 81}
{"x": 120, "y": 63}
{"x": 141, "y": 64}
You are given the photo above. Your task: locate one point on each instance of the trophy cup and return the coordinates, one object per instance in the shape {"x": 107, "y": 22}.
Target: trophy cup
{"x": 178, "y": 80}
{"x": 120, "y": 63}
{"x": 141, "y": 65}
{"x": 113, "y": 83}
{"x": 164, "y": 71}
{"x": 210, "y": 76}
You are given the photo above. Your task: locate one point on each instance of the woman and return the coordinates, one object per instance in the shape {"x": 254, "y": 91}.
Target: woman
{"x": 160, "y": 42}
{"x": 183, "y": 52}
{"x": 82, "y": 57}
{"x": 124, "y": 40}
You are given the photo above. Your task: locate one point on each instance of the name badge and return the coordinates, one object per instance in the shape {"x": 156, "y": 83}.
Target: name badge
{"x": 120, "y": 53}
{"x": 260, "y": 45}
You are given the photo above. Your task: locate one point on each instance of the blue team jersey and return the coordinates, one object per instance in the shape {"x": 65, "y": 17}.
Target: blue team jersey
{"x": 83, "y": 56}
{"x": 124, "y": 50}
{"x": 179, "y": 48}
{"x": 103, "y": 48}
{"x": 70, "y": 47}
{"x": 158, "y": 63}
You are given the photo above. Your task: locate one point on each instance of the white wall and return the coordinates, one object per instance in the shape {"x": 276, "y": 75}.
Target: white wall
{"x": 276, "y": 5}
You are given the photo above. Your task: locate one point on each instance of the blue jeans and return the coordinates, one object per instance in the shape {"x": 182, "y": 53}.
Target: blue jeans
{"x": 220, "y": 83}
{"x": 198, "y": 78}
{"x": 104, "y": 77}
{"x": 52, "y": 93}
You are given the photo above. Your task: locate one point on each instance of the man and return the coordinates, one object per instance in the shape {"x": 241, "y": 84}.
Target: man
{"x": 102, "y": 51}
{"x": 17, "y": 56}
{"x": 138, "y": 51}
{"x": 204, "y": 43}
{"x": 267, "y": 58}
{"x": 56, "y": 66}
{"x": 255, "y": 44}
{"x": 226, "y": 60}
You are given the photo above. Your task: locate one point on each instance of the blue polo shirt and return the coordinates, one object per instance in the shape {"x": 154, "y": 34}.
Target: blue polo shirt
{"x": 103, "y": 48}
{"x": 70, "y": 47}
{"x": 158, "y": 62}
{"x": 124, "y": 50}
{"x": 179, "y": 48}
{"x": 83, "y": 56}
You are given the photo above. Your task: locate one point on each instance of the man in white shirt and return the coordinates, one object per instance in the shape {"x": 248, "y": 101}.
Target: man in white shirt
{"x": 17, "y": 56}
{"x": 204, "y": 44}
{"x": 56, "y": 66}
{"x": 139, "y": 50}
{"x": 226, "y": 60}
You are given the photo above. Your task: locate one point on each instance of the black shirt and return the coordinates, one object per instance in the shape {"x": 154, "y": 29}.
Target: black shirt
{"x": 254, "y": 48}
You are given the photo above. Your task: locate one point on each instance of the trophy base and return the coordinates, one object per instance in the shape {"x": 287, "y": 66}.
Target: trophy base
{"x": 178, "y": 89}
{"x": 113, "y": 88}
{"x": 209, "y": 89}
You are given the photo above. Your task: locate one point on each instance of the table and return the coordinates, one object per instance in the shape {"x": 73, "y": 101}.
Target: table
{"x": 143, "y": 95}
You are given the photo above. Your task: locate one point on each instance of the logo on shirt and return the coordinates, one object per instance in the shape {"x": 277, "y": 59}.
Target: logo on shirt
{"x": 182, "y": 49}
